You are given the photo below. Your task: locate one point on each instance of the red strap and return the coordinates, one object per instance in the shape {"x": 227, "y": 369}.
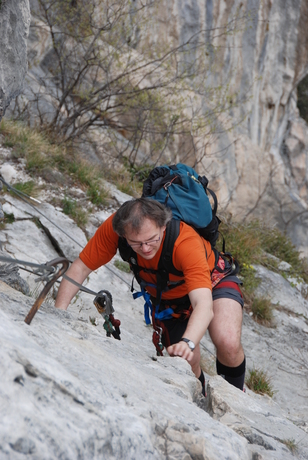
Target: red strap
{"x": 160, "y": 331}
{"x": 156, "y": 342}
{"x": 228, "y": 284}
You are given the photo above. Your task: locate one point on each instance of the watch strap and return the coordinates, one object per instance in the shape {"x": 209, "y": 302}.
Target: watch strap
{"x": 189, "y": 342}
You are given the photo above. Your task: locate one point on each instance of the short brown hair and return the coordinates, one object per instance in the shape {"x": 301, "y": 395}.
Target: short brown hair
{"x": 132, "y": 214}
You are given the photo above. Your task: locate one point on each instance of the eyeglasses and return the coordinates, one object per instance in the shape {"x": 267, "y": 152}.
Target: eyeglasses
{"x": 147, "y": 243}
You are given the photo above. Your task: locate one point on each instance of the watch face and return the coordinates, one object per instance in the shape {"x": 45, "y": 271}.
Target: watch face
{"x": 189, "y": 343}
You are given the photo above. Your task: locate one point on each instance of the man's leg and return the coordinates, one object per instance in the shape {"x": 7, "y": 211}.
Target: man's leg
{"x": 176, "y": 330}
{"x": 195, "y": 367}
{"x": 225, "y": 331}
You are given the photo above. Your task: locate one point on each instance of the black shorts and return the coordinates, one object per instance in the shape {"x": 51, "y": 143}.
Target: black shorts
{"x": 227, "y": 288}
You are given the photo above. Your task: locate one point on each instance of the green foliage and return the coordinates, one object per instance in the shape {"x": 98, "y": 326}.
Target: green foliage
{"x": 243, "y": 242}
{"x": 29, "y": 187}
{"x": 123, "y": 266}
{"x": 124, "y": 181}
{"x": 259, "y": 382}
{"x": 251, "y": 283}
{"x": 27, "y": 143}
{"x": 262, "y": 310}
{"x": 71, "y": 208}
{"x": 291, "y": 445}
{"x": 278, "y": 244}
{"x": 91, "y": 178}
{"x": 96, "y": 193}
{"x": 139, "y": 173}
{"x": 82, "y": 171}
{"x": 113, "y": 76}
{"x": 9, "y": 218}
{"x": 249, "y": 243}
{"x": 41, "y": 153}
{"x": 37, "y": 222}
{"x": 68, "y": 206}
{"x": 130, "y": 179}
{"x": 128, "y": 187}
{"x": 36, "y": 162}
{"x": 93, "y": 320}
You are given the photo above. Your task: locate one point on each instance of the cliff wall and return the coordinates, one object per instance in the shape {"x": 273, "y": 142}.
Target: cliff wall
{"x": 257, "y": 157}
{"x": 14, "y": 30}
{"x": 260, "y": 164}
{"x": 69, "y": 391}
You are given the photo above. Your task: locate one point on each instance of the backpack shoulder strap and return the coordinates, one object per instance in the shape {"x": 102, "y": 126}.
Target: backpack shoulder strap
{"x": 204, "y": 181}
{"x": 214, "y": 210}
{"x": 165, "y": 264}
{"x": 165, "y": 261}
{"x": 126, "y": 252}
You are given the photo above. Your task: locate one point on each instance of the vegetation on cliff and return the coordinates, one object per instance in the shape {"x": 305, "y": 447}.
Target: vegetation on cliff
{"x": 251, "y": 243}
{"x": 110, "y": 81}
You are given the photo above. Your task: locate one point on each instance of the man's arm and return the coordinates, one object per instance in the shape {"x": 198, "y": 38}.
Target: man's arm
{"x": 202, "y": 315}
{"x": 78, "y": 271}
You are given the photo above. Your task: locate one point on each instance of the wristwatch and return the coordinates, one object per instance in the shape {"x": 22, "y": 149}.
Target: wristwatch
{"x": 191, "y": 344}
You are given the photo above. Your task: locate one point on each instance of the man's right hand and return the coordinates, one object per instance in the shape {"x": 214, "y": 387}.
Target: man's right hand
{"x": 181, "y": 349}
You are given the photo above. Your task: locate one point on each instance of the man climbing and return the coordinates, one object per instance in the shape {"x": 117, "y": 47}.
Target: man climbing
{"x": 141, "y": 225}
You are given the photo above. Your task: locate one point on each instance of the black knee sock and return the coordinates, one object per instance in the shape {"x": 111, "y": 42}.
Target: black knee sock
{"x": 233, "y": 375}
{"x": 202, "y": 380}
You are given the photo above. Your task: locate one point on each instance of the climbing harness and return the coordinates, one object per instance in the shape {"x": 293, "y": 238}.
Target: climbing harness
{"x": 156, "y": 308}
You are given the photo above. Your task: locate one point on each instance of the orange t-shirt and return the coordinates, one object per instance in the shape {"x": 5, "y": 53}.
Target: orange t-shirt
{"x": 192, "y": 255}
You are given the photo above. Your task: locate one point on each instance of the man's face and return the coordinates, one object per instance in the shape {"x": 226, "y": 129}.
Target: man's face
{"x": 147, "y": 241}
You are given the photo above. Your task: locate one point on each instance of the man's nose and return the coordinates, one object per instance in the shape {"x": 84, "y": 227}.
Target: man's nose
{"x": 145, "y": 247}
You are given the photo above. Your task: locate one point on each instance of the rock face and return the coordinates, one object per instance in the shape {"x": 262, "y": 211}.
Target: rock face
{"x": 9, "y": 274}
{"x": 257, "y": 158}
{"x": 260, "y": 165}
{"x": 14, "y": 31}
{"x": 68, "y": 391}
